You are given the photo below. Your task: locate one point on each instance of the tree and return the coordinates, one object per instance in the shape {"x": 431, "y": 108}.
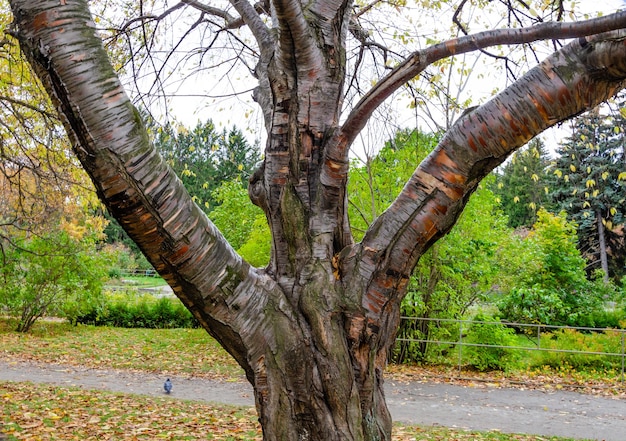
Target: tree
{"x": 551, "y": 288}
{"x": 588, "y": 185}
{"x": 41, "y": 275}
{"x": 204, "y": 158}
{"x": 313, "y": 329}
{"x": 521, "y": 185}
{"x": 40, "y": 180}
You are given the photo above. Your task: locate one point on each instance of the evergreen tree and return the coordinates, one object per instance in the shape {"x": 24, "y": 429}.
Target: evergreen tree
{"x": 522, "y": 186}
{"x": 204, "y": 158}
{"x": 589, "y": 184}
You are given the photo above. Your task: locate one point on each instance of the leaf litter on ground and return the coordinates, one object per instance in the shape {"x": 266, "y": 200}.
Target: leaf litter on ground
{"x": 32, "y": 412}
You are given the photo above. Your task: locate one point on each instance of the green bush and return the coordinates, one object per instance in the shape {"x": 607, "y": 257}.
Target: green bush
{"x": 490, "y": 333}
{"x": 428, "y": 350}
{"x": 130, "y": 310}
{"x": 576, "y": 341}
{"x": 44, "y": 275}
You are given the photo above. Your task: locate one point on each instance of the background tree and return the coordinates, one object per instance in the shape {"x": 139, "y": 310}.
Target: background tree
{"x": 522, "y": 184}
{"x": 242, "y": 223}
{"x": 312, "y": 330}
{"x": 43, "y": 275}
{"x": 551, "y": 285}
{"x": 204, "y": 158}
{"x": 589, "y": 184}
{"x": 458, "y": 271}
{"x": 40, "y": 179}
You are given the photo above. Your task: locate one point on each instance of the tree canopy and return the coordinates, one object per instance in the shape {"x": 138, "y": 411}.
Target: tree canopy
{"x": 312, "y": 330}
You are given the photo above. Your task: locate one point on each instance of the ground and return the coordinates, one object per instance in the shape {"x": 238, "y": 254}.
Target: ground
{"x": 471, "y": 405}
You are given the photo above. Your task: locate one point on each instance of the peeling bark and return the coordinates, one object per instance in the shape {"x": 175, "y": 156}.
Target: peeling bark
{"x": 312, "y": 331}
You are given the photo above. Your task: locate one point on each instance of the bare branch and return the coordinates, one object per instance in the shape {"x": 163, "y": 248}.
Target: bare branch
{"x": 210, "y": 10}
{"x": 418, "y": 61}
{"x": 150, "y": 17}
{"x": 575, "y": 79}
{"x": 30, "y": 106}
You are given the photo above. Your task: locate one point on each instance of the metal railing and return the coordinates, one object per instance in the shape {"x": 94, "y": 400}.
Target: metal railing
{"x": 537, "y": 330}
{"x": 138, "y": 272}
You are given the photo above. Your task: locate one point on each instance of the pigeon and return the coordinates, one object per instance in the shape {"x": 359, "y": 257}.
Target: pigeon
{"x": 167, "y": 386}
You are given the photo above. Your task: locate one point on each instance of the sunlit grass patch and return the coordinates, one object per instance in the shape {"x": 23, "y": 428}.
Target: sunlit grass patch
{"x": 172, "y": 351}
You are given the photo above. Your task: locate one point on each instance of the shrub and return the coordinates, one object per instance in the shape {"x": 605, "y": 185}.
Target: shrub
{"x": 131, "y": 310}
{"x": 486, "y": 330}
{"x": 575, "y": 341}
{"x": 43, "y": 275}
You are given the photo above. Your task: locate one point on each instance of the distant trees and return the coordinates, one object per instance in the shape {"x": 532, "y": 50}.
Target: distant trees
{"x": 522, "y": 185}
{"x": 214, "y": 167}
{"x": 532, "y": 274}
{"x": 204, "y": 158}
{"x": 589, "y": 183}
{"x": 550, "y": 286}
{"x": 586, "y": 179}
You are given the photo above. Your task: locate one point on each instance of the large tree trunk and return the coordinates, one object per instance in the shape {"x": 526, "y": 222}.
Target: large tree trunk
{"x": 312, "y": 331}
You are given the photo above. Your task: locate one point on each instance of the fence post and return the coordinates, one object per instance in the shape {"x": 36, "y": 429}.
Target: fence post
{"x": 538, "y": 336}
{"x": 623, "y": 333}
{"x": 460, "y": 345}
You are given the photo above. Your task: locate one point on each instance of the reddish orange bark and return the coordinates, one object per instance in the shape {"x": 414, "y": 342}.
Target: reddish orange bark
{"x": 311, "y": 330}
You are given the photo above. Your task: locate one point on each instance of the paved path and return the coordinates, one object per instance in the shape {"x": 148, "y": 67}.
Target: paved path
{"x": 559, "y": 413}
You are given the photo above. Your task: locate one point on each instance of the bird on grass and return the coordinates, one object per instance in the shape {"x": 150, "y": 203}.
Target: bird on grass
{"x": 167, "y": 386}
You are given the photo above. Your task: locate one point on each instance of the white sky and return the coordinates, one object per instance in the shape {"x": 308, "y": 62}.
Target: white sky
{"x": 187, "y": 106}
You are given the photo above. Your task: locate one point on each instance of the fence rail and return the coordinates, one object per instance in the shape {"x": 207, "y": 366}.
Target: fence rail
{"x": 138, "y": 272}
{"x": 538, "y": 331}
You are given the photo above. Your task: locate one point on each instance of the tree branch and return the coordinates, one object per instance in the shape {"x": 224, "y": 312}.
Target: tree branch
{"x": 418, "y": 61}
{"x": 577, "y": 78}
{"x": 298, "y": 45}
{"x": 223, "y": 292}
{"x": 250, "y": 16}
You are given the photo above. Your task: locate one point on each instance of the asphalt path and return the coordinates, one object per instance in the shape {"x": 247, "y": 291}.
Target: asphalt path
{"x": 544, "y": 413}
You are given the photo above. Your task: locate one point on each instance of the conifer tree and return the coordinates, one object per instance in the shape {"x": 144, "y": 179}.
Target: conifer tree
{"x": 522, "y": 184}
{"x": 589, "y": 183}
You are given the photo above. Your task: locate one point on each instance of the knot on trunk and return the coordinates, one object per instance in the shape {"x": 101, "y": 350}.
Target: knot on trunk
{"x": 256, "y": 187}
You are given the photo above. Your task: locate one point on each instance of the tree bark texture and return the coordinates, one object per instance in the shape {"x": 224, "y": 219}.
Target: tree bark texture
{"x": 312, "y": 330}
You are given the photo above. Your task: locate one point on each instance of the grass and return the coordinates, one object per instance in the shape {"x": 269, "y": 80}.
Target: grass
{"x": 197, "y": 354}
{"x": 118, "y": 348}
{"x": 139, "y": 281}
{"x": 41, "y": 412}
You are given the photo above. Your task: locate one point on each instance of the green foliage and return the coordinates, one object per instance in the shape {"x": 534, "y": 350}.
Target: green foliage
{"x": 243, "y": 224}
{"x": 489, "y": 331}
{"x": 457, "y": 272}
{"x": 522, "y": 184}
{"x": 464, "y": 268}
{"x": 551, "y": 286}
{"x": 204, "y": 158}
{"x": 374, "y": 183}
{"x": 575, "y": 341}
{"x": 256, "y": 249}
{"x": 129, "y": 310}
{"x": 588, "y": 183}
{"x": 43, "y": 274}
